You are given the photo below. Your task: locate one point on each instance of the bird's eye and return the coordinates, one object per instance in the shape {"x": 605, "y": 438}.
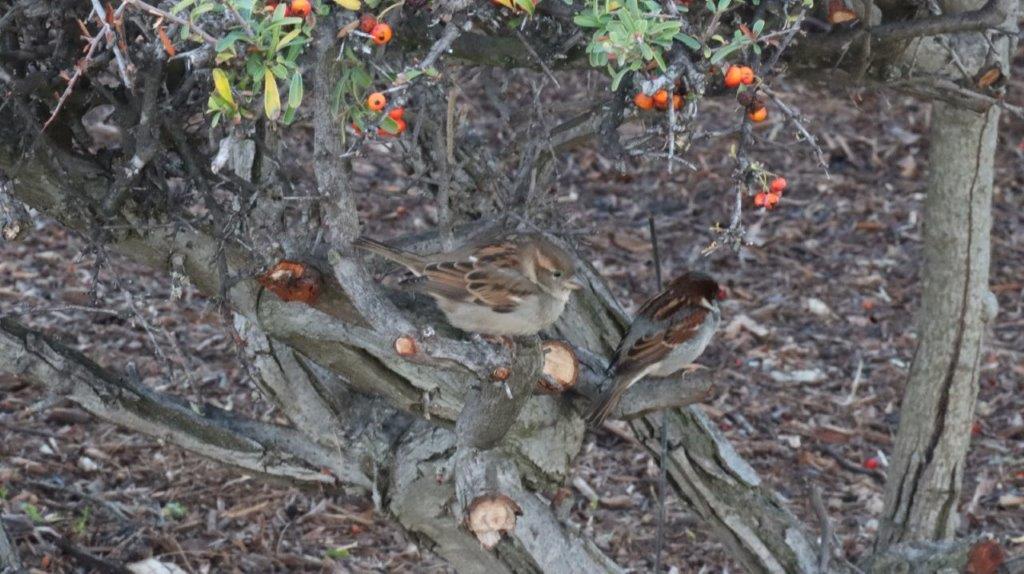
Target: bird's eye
{"x": 557, "y": 274}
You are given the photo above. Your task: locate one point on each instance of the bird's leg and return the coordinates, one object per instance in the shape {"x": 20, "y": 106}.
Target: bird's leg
{"x": 693, "y": 368}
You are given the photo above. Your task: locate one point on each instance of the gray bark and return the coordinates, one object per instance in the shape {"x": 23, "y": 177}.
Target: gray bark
{"x": 925, "y": 478}
{"x": 10, "y": 563}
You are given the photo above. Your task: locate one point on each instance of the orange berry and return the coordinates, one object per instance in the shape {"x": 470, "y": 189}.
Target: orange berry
{"x": 661, "y": 99}
{"x": 733, "y": 77}
{"x": 778, "y": 185}
{"x": 367, "y": 22}
{"x": 381, "y": 34}
{"x": 397, "y": 113}
{"x": 376, "y": 101}
{"x": 643, "y": 101}
{"x": 746, "y": 75}
{"x": 758, "y": 115}
{"x": 300, "y": 8}
{"x": 759, "y": 199}
{"x": 771, "y": 200}
{"x": 677, "y": 101}
{"x": 401, "y": 124}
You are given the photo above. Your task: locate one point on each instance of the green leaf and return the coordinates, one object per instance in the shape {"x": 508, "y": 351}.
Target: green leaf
{"x": 202, "y": 9}
{"x": 360, "y": 78}
{"x": 175, "y": 510}
{"x": 526, "y": 5}
{"x": 271, "y": 98}
{"x": 584, "y": 20}
{"x": 182, "y": 5}
{"x": 228, "y": 41}
{"x": 660, "y": 61}
{"x": 689, "y": 41}
{"x": 758, "y": 26}
{"x": 340, "y": 552}
{"x": 389, "y": 125}
{"x": 254, "y": 67}
{"x": 723, "y": 5}
{"x": 617, "y": 78}
{"x": 722, "y": 52}
{"x": 222, "y": 84}
{"x": 288, "y": 38}
{"x": 295, "y": 90}
{"x": 244, "y": 7}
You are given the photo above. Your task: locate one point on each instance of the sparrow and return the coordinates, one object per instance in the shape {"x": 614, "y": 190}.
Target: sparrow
{"x": 516, "y": 285}
{"x": 669, "y": 332}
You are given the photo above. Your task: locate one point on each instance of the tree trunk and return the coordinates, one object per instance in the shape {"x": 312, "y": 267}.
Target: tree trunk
{"x": 924, "y": 482}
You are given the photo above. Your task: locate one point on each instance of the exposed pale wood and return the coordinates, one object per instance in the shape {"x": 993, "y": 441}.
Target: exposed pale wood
{"x": 561, "y": 368}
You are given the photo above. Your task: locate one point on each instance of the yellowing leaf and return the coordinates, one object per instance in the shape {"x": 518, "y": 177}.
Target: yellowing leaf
{"x": 288, "y": 38}
{"x": 223, "y": 86}
{"x": 271, "y": 97}
{"x": 349, "y": 4}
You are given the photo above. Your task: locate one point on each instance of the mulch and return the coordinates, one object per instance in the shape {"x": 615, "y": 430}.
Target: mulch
{"x": 816, "y": 343}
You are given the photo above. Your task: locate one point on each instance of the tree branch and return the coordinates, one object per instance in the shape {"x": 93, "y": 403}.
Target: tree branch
{"x": 202, "y": 429}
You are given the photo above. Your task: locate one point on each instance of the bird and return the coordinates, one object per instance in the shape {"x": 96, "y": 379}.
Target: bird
{"x": 517, "y": 284}
{"x": 669, "y": 332}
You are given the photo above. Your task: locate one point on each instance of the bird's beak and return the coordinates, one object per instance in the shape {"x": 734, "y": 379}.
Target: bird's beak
{"x": 574, "y": 285}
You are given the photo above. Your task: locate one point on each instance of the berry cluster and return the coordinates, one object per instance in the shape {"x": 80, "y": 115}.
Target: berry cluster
{"x": 772, "y": 194}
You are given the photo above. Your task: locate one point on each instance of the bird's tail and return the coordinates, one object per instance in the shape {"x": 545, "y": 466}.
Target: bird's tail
{"x": 387, "y": 252}
{"x": 608, "y": 401}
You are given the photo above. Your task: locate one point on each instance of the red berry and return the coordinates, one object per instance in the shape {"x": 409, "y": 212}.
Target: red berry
{"x": 381, "y": 34}
{"x": 367, "y": 22}
{"x": 872, "y": 463}
{"x": 301, "y": 8}
{"x": 778, "y": 185}
{"x": 733, "y": 77}
{"x": 760, "y": 198}
{"x": 397, "y": 113}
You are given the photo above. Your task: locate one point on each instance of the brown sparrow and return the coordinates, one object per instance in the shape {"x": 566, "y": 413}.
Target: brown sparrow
{"x": 669, "y": 332}
{"x": 516, "y": 285}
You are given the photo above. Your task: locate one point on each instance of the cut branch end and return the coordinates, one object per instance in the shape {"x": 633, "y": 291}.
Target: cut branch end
{"x": 490, "y": 516}
{"x": 405, "y": 346}
{"x": 561, "y": 368}
{"x": 292, "y": 281}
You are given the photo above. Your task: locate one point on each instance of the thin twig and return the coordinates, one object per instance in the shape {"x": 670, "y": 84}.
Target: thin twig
{"x": 825, "y": 550}
{"x": 663, "y": 467}
{"x": 536, "y": 56}
{"x": 177, "y": 19}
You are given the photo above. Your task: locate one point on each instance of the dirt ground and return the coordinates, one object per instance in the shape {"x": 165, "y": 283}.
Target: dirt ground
{"x": 816, "y": 343}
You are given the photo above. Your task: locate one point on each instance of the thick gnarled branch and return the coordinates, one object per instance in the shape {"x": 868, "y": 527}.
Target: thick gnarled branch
{"x": 202, "y": 429}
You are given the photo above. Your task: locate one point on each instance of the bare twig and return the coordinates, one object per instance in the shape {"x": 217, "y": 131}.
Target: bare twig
{"x": 825, "y": 551}
{"x": 536, "y": 56}
{"x": 212, "y": 41}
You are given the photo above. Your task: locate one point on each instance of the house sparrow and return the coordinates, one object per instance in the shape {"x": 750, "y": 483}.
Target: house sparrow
{"x": 516, "y": 285}
{"x": 669, "y": 332}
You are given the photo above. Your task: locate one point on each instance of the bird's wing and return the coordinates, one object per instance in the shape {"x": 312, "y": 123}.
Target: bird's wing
{"x": 498, "y": 288}
{"x": 648, "y": 341}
